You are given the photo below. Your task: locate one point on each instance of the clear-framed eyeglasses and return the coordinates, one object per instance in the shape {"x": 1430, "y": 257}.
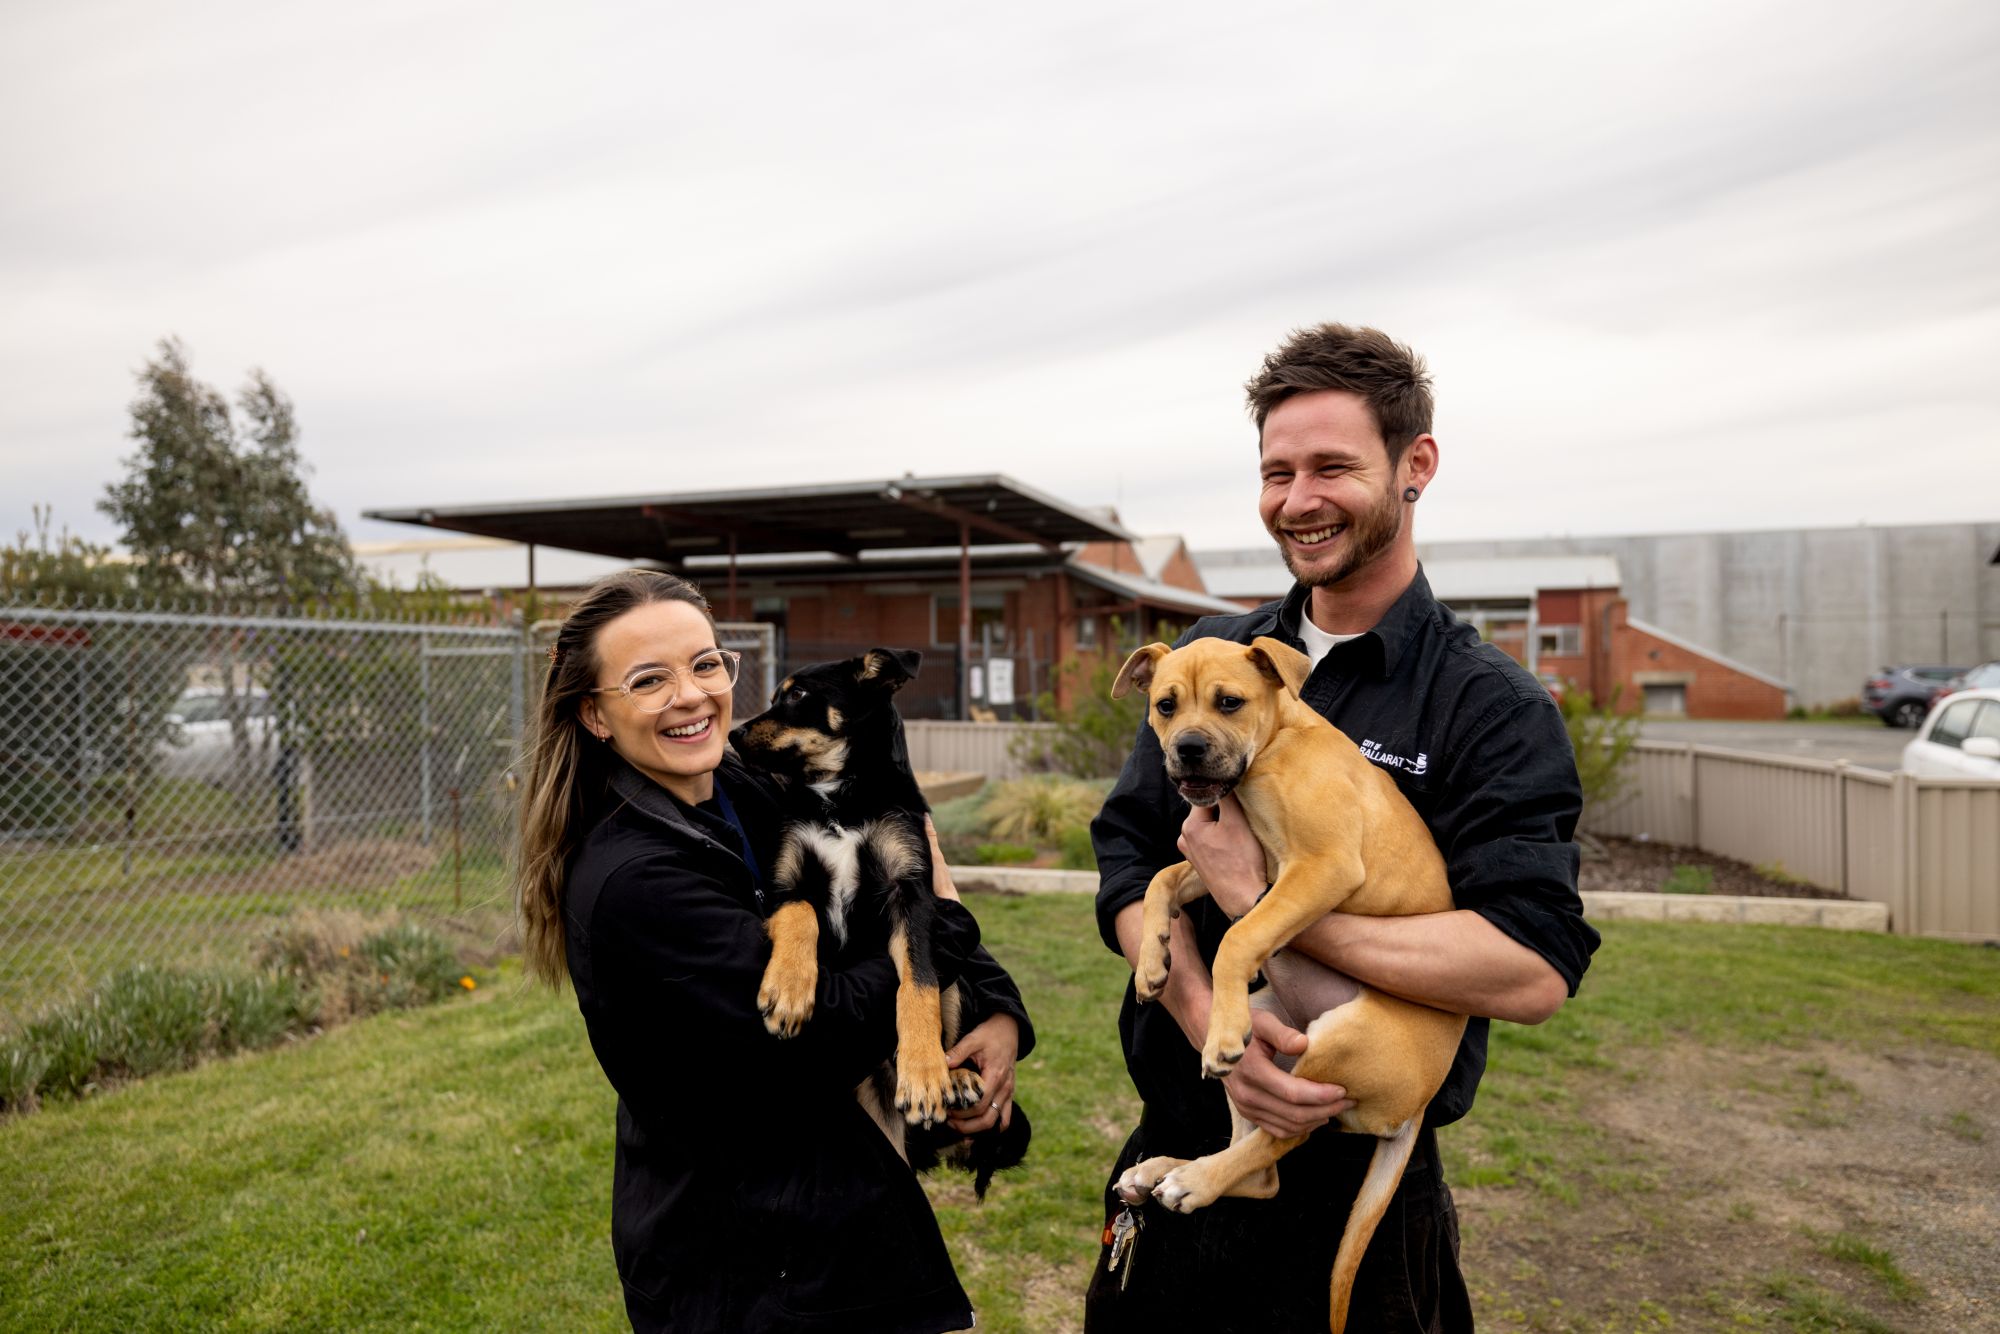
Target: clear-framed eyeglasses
{"x": 654, "y": 689}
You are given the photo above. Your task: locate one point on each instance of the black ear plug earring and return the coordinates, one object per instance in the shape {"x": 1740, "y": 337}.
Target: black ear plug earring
{"x": 1410, "y": 493}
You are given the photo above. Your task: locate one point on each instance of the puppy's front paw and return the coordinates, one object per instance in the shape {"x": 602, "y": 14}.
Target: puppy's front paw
{"x": 1185, "y": 1189}
{"x": 1221, "y": 1053}
{"x": 923, "y": 1083}
{"x": 785, "y": 1000}
{"x": 1140, "y": 1179}
{"x": 967, "y": 1090}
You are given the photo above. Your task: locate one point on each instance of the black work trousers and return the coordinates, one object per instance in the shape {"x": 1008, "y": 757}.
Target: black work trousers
{"x": 1263, "y": 1266}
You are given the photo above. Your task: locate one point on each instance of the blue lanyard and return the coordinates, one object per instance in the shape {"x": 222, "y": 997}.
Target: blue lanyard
{"x": 722, "y": 803}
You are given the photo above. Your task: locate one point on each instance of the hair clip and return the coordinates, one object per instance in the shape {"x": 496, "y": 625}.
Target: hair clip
{"x": 555, "y": 654}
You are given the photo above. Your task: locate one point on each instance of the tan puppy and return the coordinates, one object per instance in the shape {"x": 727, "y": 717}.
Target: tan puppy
{"x": 1337, "y": 834}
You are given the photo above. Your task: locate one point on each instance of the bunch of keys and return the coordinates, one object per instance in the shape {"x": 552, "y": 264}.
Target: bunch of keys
{"x": 1122, "y": 1235}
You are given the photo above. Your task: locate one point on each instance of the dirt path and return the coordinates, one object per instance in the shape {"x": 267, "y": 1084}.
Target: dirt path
{"x": 1818, "y": 1189}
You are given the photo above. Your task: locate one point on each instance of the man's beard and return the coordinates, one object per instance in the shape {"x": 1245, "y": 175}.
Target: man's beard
{"x": 1368, "y": 535}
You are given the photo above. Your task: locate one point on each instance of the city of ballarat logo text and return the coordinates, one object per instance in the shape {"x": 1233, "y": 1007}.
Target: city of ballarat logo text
{"x": 1372, "y": 750}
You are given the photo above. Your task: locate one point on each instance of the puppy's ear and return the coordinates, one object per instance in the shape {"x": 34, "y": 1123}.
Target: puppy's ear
{"x": 890, "y": 667}
{"x": 1137, "y": 673}
{"x": 1281, "y": 663}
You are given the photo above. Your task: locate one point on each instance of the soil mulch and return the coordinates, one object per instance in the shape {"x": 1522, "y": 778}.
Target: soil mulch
{"x": 1636, "y": 866}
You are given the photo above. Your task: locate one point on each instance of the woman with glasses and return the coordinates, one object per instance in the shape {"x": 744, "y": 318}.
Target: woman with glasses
{"x": 751, "y": 1192}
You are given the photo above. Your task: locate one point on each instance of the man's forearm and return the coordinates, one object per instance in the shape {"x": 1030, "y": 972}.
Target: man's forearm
{"x": 1188, "y": 990}
{"x": 1455, "y": 961}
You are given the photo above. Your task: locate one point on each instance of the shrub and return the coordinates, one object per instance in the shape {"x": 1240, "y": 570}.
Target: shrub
{"x": 1601, "y": 738}
{"x": 141, "y": 1021}
{"x": 1004, "y": 854}
{"x": 346, "y": 967}
{"x": 21, "y": 1068}
{"x": 147, "y": 1019}
{"x": 1037, "y": 810}
{"x": 1077, "y": 852}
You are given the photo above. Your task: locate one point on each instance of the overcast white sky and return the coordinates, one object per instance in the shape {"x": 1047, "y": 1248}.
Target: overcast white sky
{"x": 1675, "y": 266}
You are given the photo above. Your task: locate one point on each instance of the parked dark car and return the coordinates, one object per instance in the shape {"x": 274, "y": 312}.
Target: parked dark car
{"x": 1901, "y": 696}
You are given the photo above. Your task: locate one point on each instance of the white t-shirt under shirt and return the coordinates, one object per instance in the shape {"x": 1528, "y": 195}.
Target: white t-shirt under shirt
{"x": 1317, "y": 641}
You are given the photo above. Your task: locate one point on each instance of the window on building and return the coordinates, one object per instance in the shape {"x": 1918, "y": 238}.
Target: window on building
{"x": 1086, "y": 632}
{"x": 1667, "y": 699}
{"x": 1559, "y": 641}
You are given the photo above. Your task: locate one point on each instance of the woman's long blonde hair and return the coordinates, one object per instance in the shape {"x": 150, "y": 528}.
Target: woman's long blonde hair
{"x": 566, "y": 769}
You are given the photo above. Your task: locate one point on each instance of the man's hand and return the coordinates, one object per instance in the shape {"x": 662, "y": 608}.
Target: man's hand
{"x": 991, "y": 1048}
{"x": 1278, "y": 1103}
{"x": 1219, "y": 841}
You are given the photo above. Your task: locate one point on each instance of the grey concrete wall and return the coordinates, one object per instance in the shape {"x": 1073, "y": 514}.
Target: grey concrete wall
{"x": 1820, "y": 608}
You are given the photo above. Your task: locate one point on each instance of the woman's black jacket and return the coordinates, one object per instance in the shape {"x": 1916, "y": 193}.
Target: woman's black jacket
{"x": 751, "y": 1191}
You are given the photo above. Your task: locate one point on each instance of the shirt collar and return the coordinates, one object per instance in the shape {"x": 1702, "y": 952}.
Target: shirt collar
{"x": 1390, "y": 637}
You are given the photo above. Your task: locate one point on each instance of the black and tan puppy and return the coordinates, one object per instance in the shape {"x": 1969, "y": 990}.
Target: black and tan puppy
{"x": 854, "y": 855}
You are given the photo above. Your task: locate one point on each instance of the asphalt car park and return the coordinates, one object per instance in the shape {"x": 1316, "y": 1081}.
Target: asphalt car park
{"x": 1865, "y": 743}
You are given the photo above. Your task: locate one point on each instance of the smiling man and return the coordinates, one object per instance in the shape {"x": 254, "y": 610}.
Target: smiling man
{"x": 1475, "y": 743}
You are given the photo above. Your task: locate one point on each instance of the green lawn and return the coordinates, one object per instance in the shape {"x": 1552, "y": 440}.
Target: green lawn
{"x": 450, "y": 1168}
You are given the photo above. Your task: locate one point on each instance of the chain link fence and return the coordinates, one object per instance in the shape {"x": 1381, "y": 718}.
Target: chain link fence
{"x": 173, "y": 784}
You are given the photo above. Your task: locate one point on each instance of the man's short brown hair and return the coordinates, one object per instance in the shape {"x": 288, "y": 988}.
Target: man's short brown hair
{"x": 1389, "y": 377}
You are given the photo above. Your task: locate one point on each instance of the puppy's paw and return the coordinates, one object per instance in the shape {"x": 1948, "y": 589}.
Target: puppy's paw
{"x": 1186, "y": 1189}
{"x": 965, "y": 1090}
{"x": 1220, "y": 1056}
{"x": 1139, "y": 1181}
{"x": 923, "y": 1083}
{"x": 786, "y": 1001}
{"x": 1150, "y": 979}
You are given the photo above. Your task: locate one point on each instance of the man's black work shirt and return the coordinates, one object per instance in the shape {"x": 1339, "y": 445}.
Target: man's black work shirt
{"x": 1476, "y": 744}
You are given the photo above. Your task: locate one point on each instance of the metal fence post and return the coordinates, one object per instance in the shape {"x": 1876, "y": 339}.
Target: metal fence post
{"x": 424, "y": 733}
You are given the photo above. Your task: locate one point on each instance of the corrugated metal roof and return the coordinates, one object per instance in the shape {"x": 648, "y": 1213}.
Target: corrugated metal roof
{"x": 846, "y": 518}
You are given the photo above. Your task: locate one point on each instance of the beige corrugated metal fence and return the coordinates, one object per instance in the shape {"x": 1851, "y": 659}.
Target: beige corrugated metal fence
{"x": 985, "y": 748}
{"x": 1928, "y": 848}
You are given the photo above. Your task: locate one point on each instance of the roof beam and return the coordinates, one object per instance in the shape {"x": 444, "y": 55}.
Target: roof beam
{"x": 983, "y": 523}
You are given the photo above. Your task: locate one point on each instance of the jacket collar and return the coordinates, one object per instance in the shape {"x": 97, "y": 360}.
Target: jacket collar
{"x": 1389, "y": 638}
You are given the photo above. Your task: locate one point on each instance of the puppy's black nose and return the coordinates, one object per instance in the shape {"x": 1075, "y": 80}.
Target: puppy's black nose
{"x": 1191, "y": 748}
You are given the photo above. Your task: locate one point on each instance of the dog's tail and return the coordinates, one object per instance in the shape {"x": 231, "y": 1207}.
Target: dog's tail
{"x": 1385, "y": 1172}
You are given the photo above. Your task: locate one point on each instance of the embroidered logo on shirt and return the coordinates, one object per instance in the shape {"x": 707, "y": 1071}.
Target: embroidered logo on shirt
{"x": 1372, "y": 750}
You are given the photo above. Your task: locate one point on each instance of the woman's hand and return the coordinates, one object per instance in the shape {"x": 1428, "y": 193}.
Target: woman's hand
{"x": 990, "y": 1048}
{"x": 940, "y": 873}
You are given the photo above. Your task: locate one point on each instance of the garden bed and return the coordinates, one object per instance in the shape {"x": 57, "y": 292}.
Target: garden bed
{"x": 1645, "y": 867}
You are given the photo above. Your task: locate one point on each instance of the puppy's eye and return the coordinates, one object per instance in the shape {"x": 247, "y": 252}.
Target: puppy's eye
{"x": 1229, "y": 704}
{"x": 1165, "y": 707}
{"x": 795, "y": 696}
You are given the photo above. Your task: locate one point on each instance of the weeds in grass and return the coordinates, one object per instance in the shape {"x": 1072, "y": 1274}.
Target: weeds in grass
{"x": 1686, "y": 879}
{"x": 1881, "y": 1266}
{"x": 1965, "y": 1127}
{"x": 1811, "y": 1309}
{"x": 1078, "y": 853}
{"x": 1776, "y": 871}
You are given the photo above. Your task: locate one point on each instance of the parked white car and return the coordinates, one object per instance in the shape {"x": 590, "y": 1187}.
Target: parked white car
{"x": 1960, "y": 739}
{"x": 198, "y": 744}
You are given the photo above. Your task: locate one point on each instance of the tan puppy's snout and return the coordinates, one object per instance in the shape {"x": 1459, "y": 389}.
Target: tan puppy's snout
{"x": 1191, "y": 751}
